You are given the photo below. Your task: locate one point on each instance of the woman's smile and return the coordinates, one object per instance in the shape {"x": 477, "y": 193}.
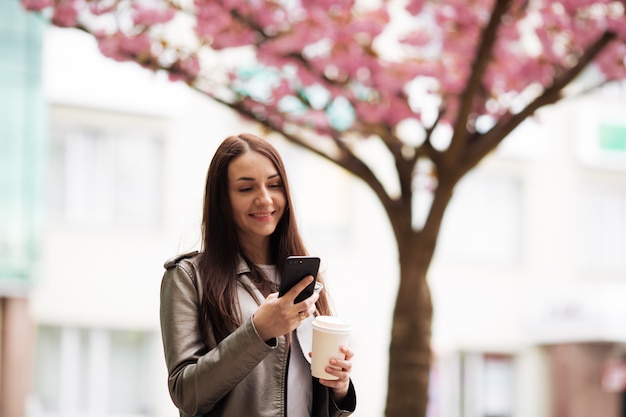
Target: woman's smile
{"x": 262, "y": 217}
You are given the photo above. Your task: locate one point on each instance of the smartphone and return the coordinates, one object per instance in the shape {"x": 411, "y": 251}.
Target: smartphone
{"x": 296, "y": 268}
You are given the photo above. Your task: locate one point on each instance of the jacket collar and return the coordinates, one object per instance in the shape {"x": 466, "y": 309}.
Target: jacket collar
{"x": 242, "y": 267}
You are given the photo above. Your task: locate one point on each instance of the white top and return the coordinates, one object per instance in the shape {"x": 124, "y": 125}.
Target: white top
{"x": 299, "y": 381}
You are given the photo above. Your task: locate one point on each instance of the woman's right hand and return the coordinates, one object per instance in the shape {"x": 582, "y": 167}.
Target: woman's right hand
{"x": 278, "y": 316}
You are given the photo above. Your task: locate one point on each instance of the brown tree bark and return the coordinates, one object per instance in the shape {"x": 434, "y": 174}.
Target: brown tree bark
{"x": 410, "y": 348}
{"x": 410, "y": 354}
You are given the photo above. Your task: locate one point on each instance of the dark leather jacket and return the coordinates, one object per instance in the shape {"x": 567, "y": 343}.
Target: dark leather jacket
{"x": 242, "y": 376}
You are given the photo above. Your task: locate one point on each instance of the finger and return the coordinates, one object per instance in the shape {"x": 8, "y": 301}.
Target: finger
{"x": 298, "y": 288}
{"x": 340, "y": 365}
{"x": 347, "y": 351}
{"x": 307, "y": 306}
{"x": 332, "y": 383}
{"x": 342, "y": 381}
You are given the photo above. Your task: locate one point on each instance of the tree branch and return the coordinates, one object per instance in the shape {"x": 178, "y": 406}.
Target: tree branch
{"x": 488, "y": 142}
{"x": 486, "y": 43}
{"x": 347, "y": 160}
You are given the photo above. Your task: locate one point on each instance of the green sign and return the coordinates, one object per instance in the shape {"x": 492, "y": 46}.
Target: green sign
{"x": 612, "y": 137}
{"x": 21, "y": 145}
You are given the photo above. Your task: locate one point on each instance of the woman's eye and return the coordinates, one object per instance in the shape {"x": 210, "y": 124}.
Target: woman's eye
{"x": 277, "y": 185}
{"x": 245, "y": 189}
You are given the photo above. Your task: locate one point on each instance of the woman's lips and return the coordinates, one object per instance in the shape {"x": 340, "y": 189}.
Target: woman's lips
{"x": 262, "y": 216}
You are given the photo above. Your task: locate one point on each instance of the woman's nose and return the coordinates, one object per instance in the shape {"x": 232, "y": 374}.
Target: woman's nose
{"x": 264, "y": 196}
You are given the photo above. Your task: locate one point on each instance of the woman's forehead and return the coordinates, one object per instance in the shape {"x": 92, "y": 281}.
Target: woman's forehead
{"x": 252, "y": 166}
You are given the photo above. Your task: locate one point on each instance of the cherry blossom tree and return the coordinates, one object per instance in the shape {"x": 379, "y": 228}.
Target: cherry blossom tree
{"x": 438, "y": 83}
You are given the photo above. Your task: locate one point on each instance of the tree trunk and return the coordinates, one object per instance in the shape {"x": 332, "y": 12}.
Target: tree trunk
{"x": 410, "y": 348}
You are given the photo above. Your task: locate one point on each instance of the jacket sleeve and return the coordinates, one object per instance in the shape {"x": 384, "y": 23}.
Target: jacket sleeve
{"x": 325, "y": 406}
{"x": 347, "y": 406}
{"x": 199, "y": 376}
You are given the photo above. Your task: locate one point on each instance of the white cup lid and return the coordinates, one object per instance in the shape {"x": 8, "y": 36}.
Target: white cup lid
{"x": 331, "y": 323}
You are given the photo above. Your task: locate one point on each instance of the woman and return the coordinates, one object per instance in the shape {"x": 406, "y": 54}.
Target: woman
{"x": 232, "y": 346}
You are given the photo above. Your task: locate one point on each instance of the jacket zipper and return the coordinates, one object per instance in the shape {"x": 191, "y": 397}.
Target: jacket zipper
{"x": 286, "y": 374}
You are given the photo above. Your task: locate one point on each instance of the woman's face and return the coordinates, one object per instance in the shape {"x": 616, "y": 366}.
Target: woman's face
{"x": 257, "y": 196}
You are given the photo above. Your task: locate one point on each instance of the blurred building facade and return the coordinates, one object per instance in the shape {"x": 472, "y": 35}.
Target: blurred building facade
{"x": 21, "y": 150}
{"x": 527, "y": 279}
{"x": 531, "y": 270}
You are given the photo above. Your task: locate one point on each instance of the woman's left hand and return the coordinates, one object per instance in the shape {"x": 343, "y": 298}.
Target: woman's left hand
{"x": 341, "y": 369}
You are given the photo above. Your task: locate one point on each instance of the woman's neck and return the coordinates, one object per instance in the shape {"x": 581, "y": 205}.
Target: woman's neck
{"x": 258, "y": 252}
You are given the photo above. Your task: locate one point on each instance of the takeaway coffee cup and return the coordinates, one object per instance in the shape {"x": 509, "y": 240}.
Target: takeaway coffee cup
{"x": 329, "y": 334}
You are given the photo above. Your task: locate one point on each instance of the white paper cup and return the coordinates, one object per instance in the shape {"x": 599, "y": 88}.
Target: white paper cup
{"x": 329, "y": 333}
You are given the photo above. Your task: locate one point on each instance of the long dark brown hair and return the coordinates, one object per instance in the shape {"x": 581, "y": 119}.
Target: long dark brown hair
{"x": 219, "y": 258}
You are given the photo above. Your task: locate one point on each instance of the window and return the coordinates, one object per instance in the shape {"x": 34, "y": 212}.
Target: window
{"x": 483, "y": 221}
{"x": 601, "y": 225}
{"x": 105, "y": 177}
{"x": 472, "y": 384}
{"x": 497, "y": 386}
{"x": 93, "y": 372}
{"x": 124, "y": 366}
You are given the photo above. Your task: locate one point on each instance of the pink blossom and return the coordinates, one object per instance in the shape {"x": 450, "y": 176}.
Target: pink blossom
{"x": 99, "y": 8}
{"x": 305, "y": 76}
{"x": 348, "y": 57}
{"x": 109, "y": 46}
{"x": 211, "y": 19}
{"x": 233, "y": 37}
{"x": 123, "y": 48}
{"x": 371, "y": 23}
{"x": 395, "y": 76}
{"x": 151, "y": 16}
{"x": 452, "y": 83}
{"x": 618, "y": 26}
{"x": 417, "y": 38}
{"x": 185, "y": 69}
{"x": 399, "y": 110}
{"x": 612, "y": 61}
{"x": 216, "y": 27}
{"x": 371, "y": 112}
{"x": 326, "y": 5}
{"x": 290, "y": 42}
{"x": 65, "y": 14}
{"x": 283, "y": 89}
{"x": 415, "y": 7}
{"x": 135, "y": 45}
{"x": 330, "y": 43}
{"x": 36, "y": 5}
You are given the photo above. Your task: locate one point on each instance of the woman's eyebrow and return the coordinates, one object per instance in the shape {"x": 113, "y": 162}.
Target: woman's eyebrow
{"x": 277, "y": 175}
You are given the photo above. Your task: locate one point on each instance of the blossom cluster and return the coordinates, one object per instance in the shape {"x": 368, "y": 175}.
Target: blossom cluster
{"x": 342, "y": 65}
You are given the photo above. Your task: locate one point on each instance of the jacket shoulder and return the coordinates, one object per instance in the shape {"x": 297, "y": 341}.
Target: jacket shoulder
{"x": 174, "y": 260}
